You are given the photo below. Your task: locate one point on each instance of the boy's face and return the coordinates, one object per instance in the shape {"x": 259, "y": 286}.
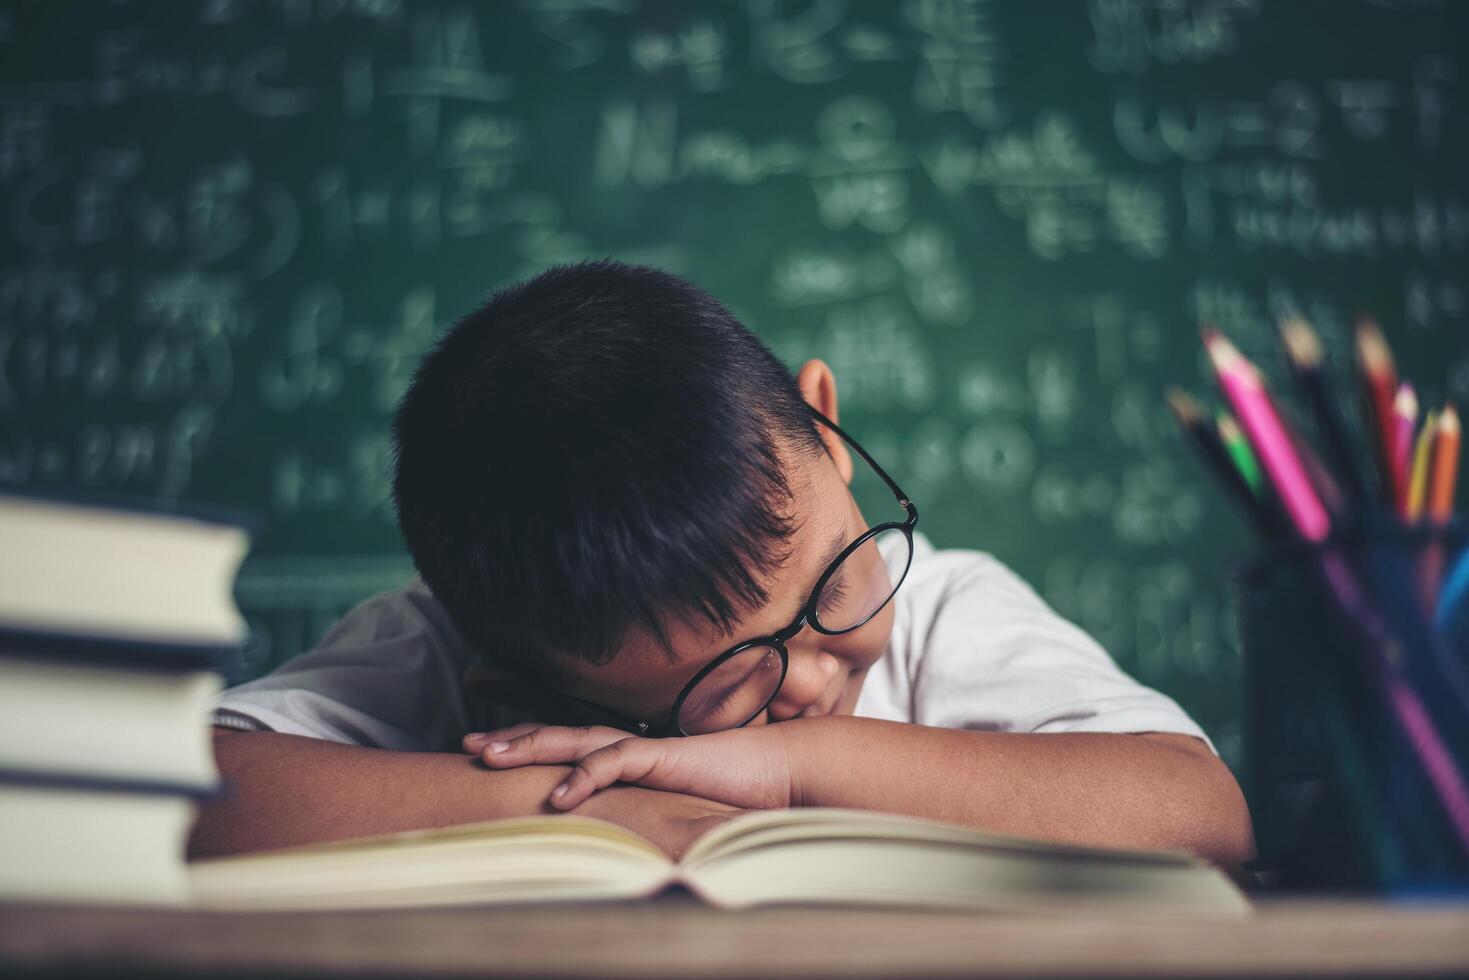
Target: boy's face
{"x": 825, "y": 673}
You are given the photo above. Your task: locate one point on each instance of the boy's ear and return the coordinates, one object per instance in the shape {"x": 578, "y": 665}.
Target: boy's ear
{"x": 819, "y": 387}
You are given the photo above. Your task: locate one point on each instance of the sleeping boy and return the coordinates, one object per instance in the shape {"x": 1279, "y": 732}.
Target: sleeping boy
{"x": 646, "y": 593}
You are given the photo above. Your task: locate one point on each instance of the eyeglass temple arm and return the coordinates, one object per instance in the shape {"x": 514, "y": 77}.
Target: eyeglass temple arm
{"x": 625, "y": 722}
{"x": 903, "y": 500}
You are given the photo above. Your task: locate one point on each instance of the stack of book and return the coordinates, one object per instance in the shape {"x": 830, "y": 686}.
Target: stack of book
{"x": 112, "y": 620}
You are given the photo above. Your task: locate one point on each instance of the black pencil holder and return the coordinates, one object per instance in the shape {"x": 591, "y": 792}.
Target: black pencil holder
{"x": 1355, "y": 704}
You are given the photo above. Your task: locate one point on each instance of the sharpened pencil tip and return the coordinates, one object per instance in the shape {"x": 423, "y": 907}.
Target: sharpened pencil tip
{"x": 1185, "y": 409}
{"x": 1302, "y": 345}
{"x": 1229, "y": 429}
{"x": 1224, "y": 355}
{"x": 1372, "y": 350}
{"x": 1406, "y": 401}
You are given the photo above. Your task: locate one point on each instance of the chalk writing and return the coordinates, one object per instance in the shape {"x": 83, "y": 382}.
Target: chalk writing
{"x": 229, "y": 234}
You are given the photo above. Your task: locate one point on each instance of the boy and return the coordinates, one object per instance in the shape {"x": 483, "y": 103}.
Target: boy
{"x": 631, "y": 521}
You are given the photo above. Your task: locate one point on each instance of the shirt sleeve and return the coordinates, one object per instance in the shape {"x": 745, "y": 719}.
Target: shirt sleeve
{"x": 998, "y": 658}
{"x": 386, "y": 675}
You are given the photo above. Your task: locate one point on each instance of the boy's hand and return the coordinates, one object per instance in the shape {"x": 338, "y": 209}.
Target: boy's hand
{"x": 746, "y": 767}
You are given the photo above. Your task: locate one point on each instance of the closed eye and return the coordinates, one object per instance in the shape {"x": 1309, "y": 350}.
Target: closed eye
{"x": 830, "y": 596}
{"x": 724, "y": 702}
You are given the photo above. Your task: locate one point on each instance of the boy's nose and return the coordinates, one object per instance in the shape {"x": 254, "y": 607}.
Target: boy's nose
{"x": 808, "y": 679}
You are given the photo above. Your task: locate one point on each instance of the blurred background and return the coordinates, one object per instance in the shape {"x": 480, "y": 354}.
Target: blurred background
{"x": 230, "y": 229}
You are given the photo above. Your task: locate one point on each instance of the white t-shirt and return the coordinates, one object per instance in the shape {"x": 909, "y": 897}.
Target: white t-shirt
{"x": 972, "y": 647}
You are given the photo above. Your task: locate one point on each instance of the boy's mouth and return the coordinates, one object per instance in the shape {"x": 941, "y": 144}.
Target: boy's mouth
{"x": 824, "y": 705}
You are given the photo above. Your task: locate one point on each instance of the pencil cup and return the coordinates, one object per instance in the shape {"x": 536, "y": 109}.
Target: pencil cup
{"x": 1357, "y": 712}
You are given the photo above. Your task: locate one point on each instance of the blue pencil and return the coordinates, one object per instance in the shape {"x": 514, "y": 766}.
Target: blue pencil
{"x": 1451, "y": 597}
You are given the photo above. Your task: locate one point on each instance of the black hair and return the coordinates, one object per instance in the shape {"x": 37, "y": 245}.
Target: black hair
{"x": 594, "y": 448}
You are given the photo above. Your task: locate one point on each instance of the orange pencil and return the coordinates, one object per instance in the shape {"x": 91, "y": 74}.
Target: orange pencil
{"x": 1379, "y": 387}
{"x": 1445, "y": 466}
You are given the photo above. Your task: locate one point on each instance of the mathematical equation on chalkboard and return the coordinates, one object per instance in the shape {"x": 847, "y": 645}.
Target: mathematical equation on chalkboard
{"x": 229, "y": 235}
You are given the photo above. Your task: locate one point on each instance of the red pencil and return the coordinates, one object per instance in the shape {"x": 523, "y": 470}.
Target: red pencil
{"x": 1379, "y": 387}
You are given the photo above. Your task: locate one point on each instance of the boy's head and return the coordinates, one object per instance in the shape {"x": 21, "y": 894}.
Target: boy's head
{"x": 606, "y": 480}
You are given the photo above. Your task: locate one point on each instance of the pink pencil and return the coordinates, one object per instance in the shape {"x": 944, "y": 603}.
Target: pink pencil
{"x": 1404, "y": 420}
{"x": 1245, "y": 390}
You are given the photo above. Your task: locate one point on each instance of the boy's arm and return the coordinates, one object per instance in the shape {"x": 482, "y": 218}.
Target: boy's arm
{"x": 1147, "y": 790}
{"x": 1140, "y": 790}
{"x": 1025, "y": 727}
{"x": 288, "y": 789}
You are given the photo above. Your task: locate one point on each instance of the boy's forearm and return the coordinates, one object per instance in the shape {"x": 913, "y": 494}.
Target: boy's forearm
{"x": 286, "y": 789}
{"x": 1094, "y": 788}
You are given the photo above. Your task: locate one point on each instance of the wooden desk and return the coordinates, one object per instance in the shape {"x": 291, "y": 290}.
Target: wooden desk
{"x": 676, "y": 936}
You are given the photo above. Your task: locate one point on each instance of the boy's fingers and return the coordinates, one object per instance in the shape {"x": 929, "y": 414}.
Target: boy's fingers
{"x": 476, "y": 741}
{"x": 629, "y": 760}
{"x": 548, "y": 746}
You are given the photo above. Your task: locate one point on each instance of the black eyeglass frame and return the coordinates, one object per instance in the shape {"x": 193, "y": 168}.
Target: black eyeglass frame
{"x": 807, "y": 615}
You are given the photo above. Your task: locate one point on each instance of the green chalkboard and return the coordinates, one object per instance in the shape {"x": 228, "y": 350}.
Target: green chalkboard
{"x": 231, "y": 228}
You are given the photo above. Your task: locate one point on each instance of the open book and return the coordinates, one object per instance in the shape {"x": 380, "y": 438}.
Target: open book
{"x": 807, "y": 856}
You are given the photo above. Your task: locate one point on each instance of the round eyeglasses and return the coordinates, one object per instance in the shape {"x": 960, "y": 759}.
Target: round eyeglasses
{"x": 732, "y": 689}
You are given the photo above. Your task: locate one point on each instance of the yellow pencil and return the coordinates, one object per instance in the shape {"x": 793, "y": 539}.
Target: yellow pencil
{"x": 1418, "y": 478}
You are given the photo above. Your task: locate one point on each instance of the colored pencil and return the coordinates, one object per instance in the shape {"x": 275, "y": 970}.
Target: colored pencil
{"x": 1303, "y": 353}
{"x": 1297, "y": 488}
{"x": 1379, "y": 380}
{"x": 1238, "y": 448}
{"x": 1451, "y": 599}
{"x": 1418, "y": 472}
{"x": 1412, "y": 717}
{"x": 1209, "y": 445}
{"x": 1246, "y": 392}
{"x": 1404, "y": 424}
{"x": 1321, "y": 479}
{"x": 1445, "y": 469}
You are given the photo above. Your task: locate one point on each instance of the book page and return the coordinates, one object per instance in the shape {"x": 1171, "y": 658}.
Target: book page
{"x": 561, "y": 858}
{"x": 96, "y": 571}
{"x": 556, "y": 827}
{"x": 915, "y": 873}
{"x": 758, "y": 829}
{"x": 853, "y": 857}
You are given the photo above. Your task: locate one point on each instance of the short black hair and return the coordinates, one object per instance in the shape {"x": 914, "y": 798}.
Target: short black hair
{"x": 596, "y": 447}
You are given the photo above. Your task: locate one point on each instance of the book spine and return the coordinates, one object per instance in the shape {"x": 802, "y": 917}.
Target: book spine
{"x": 688, "y": 880}
{"x": 10, "y": 776}
{"x": 113, "y": 651}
